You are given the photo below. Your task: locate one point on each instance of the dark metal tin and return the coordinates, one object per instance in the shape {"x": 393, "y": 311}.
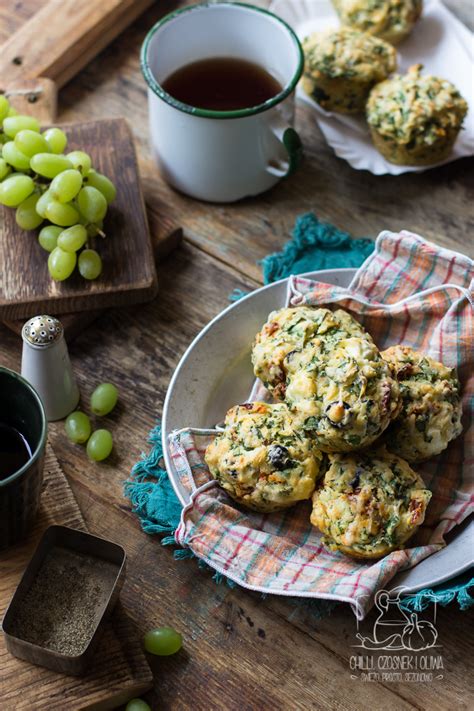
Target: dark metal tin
{"x": 82, "y": 543}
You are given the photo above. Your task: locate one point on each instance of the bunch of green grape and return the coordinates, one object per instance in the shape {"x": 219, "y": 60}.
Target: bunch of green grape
{"x": 43, "y": 183}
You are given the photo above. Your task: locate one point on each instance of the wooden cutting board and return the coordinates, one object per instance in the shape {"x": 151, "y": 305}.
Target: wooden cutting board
{"x": 119, "y": 671}
{"x": 129, "y": 274}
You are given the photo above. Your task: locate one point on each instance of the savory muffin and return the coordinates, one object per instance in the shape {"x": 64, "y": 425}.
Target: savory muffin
{"x": 341, "y": 66}
{"x": 369, "y": 503}
{"x": 415, "y": 119}
{"x": 343, "y": 392}
{"x": 430, "y": 415}
{"x": 262, "y": 459}
{"x": 288, "y": 330}
{"x": 391, "y": 20}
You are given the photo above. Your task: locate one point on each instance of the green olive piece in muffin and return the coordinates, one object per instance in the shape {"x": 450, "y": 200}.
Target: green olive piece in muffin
{"x": 341, "y": 67}
{"x": 369, "y": 503}
{"x": 391, "y": 20}
{"x": 414, "y": 119}
{"x": 262, "y": 460}
{"x": 430, "y": 416}
{"x": 343, "y": 392}
{"x": 288, "y": 330}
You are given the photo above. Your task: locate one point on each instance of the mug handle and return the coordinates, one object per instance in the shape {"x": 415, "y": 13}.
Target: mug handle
{"x": 294, "y": 147}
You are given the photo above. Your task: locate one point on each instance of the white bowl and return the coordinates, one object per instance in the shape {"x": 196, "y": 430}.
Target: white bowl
{"x": 215, "y": 373}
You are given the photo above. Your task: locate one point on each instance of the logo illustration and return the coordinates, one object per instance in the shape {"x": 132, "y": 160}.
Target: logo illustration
{"x": 396, "y": 630}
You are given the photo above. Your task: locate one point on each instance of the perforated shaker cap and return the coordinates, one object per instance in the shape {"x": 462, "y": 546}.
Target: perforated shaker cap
{"x": 42, "y": 331}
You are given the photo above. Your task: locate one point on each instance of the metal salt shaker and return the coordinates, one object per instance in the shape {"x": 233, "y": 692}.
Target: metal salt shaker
{"x": 46, "y": 365}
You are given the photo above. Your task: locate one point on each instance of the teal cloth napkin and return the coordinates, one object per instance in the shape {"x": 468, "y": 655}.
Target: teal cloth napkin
{"x": 314, "y": 245}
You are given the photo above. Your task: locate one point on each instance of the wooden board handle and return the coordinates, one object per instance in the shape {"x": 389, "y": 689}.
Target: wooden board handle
{"x": 63, "y": 37}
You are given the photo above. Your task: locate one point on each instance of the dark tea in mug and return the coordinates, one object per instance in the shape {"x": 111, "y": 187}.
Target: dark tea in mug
{"x": 222, "y": 84}
{"x": 14, "y": 450}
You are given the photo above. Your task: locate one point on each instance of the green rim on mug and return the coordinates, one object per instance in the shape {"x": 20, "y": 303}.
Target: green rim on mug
{"x": 208, "y": 113}
{"x": 44, "y": 428}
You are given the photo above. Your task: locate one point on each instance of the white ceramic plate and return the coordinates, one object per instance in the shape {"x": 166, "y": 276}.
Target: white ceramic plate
{"x": 215, "y": 373}
{"x": 439, "y": 41}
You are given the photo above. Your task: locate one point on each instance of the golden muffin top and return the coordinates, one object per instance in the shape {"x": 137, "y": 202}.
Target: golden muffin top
{"x": 350, "y": 54}
{"x": 414, "y": 108}
{"x": 388, "y": 19}
{"x": 262, "y": 459}
{"x": 369, "y": 503}
{"x": 290, "y": 329}
{"x": 430, "y": 415}
{"x": 343, "y": 392}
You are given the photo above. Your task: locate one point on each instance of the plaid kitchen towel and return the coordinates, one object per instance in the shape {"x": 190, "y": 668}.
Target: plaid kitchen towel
{"x": 409, "y": 291}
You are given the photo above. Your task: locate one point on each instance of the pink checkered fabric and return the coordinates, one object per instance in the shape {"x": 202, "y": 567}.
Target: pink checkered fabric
{"x": 409, "y": 291}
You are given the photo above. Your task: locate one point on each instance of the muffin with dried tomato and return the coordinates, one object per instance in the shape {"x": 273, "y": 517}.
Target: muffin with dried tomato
{"x": 287, "y": 331}
{"x": 414, "y": 119}
{"x": 342, "y": 391}
{"x": 391, "y": 20}
{"x": 430, "y": 415}
{"x": 341, "y": 67}
{"x": 369, "y": 503}
{"x": 262, "y": 459}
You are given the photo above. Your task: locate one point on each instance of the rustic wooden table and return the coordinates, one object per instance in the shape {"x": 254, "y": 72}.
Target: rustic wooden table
{"x": 240, "y": 651}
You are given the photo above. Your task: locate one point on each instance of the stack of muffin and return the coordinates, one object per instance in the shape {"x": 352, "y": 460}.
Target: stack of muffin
{"x": 414, "y": 119}
{"x": 348, "y": 422}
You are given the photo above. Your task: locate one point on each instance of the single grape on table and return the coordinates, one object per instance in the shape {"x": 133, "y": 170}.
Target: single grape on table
{"x": 99, "y": 445}
{"x": 163, "y": 641}
{"x": 78, "y": 427}
{"x": 103, "y": 399}
{"x": 137, "y": 705}
{"x": 43, "y": 183}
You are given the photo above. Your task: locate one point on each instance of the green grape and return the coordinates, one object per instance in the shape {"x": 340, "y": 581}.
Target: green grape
{"x": 29, "y": 142}
{"x": 14, "y": 157}
{"x": 4, "y": 168}
{"x": 61, "y": 264}
{"x": 15, "y": 188}
{"x": 49, "y": 165}
{"x": 163, "y": 641}
{"x": 26, "y": 216}
{"x": 103, "y": 399}
{"x": 43, "y": 203}
{"x": 80, "y": 161}
{"x": 48, "y": 237}
{"x": 73, "y": 238}
{"x": 78, "y": 427}
{"x": 61, "y": 214}
{"x": 102, "y": 183}
{"x": 13, "y": 124}
{"x": 66, "y": 185}
{"x": 12, "y": 111}
{"x": 56, "y": 140}
{"x": 92, "y": 204}
{"x": 99, "y": 445}
{"x": 137, "y": 705}
{"x": 89, "y": 264}
{"x": 4, "y": 107}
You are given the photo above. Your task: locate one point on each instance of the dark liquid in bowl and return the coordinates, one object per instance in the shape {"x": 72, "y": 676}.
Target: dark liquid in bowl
{"x": 14, "y": 450}
{"x": 222, "y": 84}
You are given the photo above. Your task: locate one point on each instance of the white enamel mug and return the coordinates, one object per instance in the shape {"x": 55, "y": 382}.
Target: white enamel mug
{"x": 223, "y": 156}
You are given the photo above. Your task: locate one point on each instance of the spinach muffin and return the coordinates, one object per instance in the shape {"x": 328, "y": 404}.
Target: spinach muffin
{"x": 430, "y": 415}
{"x": 343, "y": 392}
{"x": 414, "y": 119}
{"x": 391, "y": 20}
{"x": 262, "y": 460}
{"x": 341, "y": 67}
{"x": 369, "y": 503}
{"x": 290, "y": 329}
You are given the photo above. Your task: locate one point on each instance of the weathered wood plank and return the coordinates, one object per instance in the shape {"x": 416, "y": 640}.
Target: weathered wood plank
{"x": 119, "y": 670}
